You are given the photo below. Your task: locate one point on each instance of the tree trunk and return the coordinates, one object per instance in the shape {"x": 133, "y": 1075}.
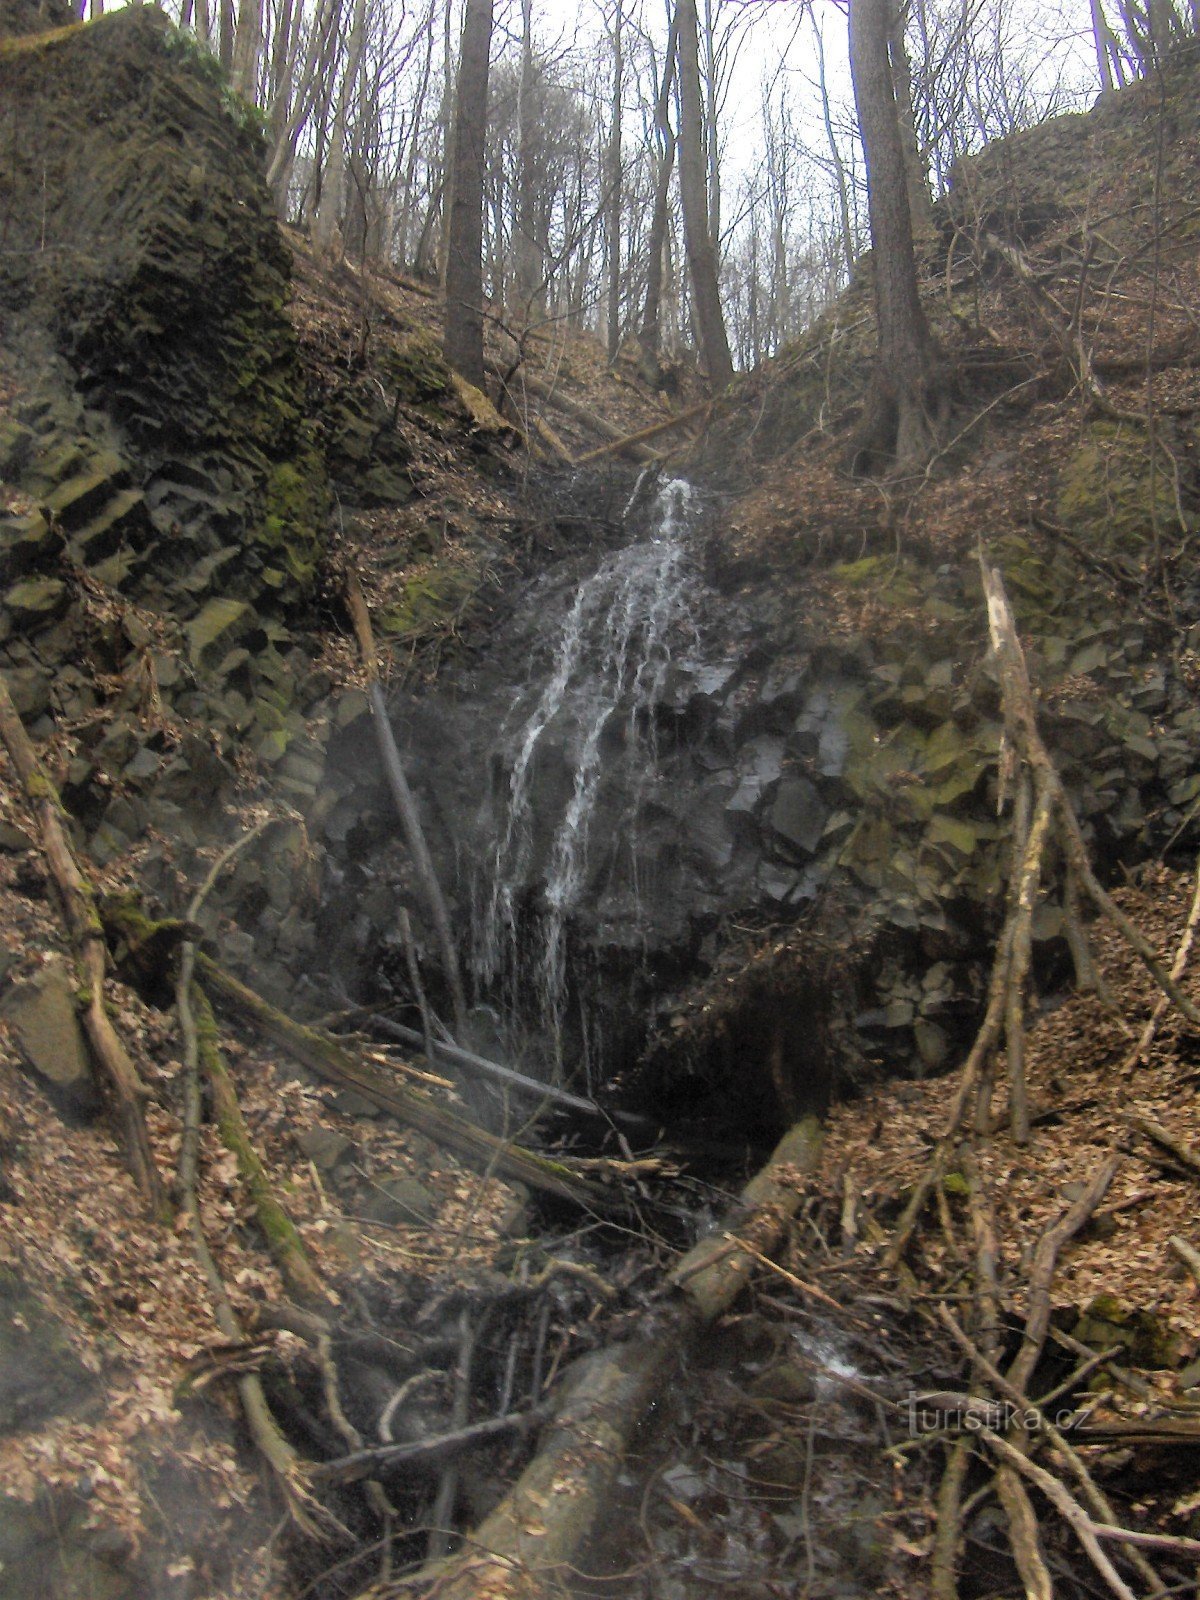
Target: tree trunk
{"x": 462, "y": 337}
{"x": 701, "y": 253}
{"x": 916, "y": 172}
{"x": 905, "y": 405}
{"x": 650, "y": 336}
{"x": 330, "y": 209}
{"x": 530, "y": 265}
{"x": 612, "y": 173}
{"x": 247, "y": 50}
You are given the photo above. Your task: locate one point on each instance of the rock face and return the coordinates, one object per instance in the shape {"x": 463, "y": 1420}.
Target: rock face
{"x": 142, "y": 242}
{"x": 736, "y": 830}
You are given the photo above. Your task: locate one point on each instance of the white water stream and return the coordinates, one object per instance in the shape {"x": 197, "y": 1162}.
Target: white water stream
{"x": 610, "y": 662}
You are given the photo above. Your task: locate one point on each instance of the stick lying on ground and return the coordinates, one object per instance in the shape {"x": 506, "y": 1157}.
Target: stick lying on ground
{"x": 508, "y": 1076}
{"x": 126, "y": 1090}
{"x": 328, "y": 1060}
{"x": 1053, "y": 820}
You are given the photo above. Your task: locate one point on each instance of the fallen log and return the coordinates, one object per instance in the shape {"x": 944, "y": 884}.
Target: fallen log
{"x": 508, "y": 1076}
{"x": 426, "y": 1452}
{"x": 554, "y": 396}
{"x": 534, "y": 1534}
{"x": 717, "y": 1269}
{"x": 127, "y": 1093}
{"x": 329, "y": 1061}
{"x": 616, "y": 447}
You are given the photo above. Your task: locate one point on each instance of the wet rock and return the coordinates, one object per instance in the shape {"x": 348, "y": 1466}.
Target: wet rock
{"x": 797, "y": 816}
{"x": 29, "y": 690}
{"x": 352, "y": 1104}
{"x": 26, "y": 543}
{"x": 786, "y": 1382}
{"x": 79, "y": 499}
{"x": 400, "y": 1200}
{"x": 42, "y": 1014}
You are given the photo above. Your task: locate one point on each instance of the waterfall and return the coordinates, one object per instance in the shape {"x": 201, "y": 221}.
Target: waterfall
{"x": 611, "y": 658}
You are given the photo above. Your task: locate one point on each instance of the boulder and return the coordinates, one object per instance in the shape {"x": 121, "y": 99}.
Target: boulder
{"x": 41, "y": 1013}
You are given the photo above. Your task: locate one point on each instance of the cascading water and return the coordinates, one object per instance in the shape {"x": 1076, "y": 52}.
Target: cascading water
{"x": 623, "y": 628}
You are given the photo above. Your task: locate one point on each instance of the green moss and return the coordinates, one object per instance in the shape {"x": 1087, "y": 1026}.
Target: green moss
{"x": 1109, "y": 492}
{"x": 295, "y": 512}
{"x": 433, "y": 599}
{"x": 1147, "y": 1339}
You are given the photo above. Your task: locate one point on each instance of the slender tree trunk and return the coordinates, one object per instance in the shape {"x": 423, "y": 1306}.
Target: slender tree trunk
{"x": 916, "y": 173}
{"x": 905, "y": 404}
{"x": 330, "y": 209}
{"x": 613, "y": 175}
{"x": 225, "y": 49}
{"x": 711, "y": 147}
{"x": 530, "y": 262}
{"x": 650, "y": 336}
{"x": 702, "y": 256}
{"x": 314, "y": 80}
{"x": 462, "y": 339}
{"x": 841, "y": 184}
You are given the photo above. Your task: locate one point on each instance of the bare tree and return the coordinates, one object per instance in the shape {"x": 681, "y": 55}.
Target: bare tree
{"x": 462, "y": 335}
{"x": 906, "y": 401}
{"x": 612, "y": 178}
{"x": 701, "y": 249}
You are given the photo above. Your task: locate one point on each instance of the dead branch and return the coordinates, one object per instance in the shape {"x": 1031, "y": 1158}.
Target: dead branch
{"x": 1157, "y": 1134}
{"x": 1023, "y": 1536}
{"x": 616, "y": 447}
{"x": 127, "y": 1092}
{"x": 406, "y": 805}
{"x": 1067, "y": 1506}
{"x": 1178, "y": 968}
{"x": 1045, "y": 1259}
{"x": 428, "y": 1452}
{"x": 328, "y": 1060}
{"x": 1102, "y": 1511}
{"x": 284, "y": 1463}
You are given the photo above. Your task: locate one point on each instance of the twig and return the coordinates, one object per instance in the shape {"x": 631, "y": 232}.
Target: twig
{"x": 1068, "y": 1507}
{"x": 1045, "y": 1259}
{"x": 1178, "y": 968}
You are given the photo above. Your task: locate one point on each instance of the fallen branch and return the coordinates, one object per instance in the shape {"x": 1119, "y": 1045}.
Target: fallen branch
{"x": 1157, "y": 1134}
{"x": 1023, "y": 1536}
{"x": 127, "y": 1092}
{"x": 1067, "y": 1506}
{"x": 429, "y": 1452}
{"x": 285, "y": 1465}
{"x": 329, "y": 1061}
{"x": 1094, "y": 1495}
{"x": 509, "y": 1077}
{"x": 554, "y": 396}
{"x": 644, "y": 435}
{"x": 1041, "y": 1275}
{"x": 406, "y": 805}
